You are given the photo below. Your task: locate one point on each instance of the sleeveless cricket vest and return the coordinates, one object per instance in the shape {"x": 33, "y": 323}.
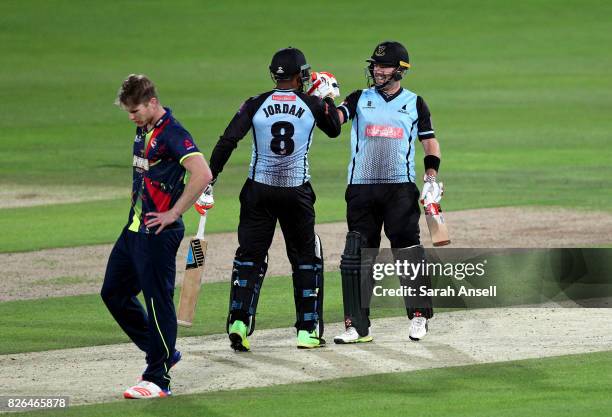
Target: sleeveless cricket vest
{"x": 383, "y": 137}
{"x": 282, "y": 133}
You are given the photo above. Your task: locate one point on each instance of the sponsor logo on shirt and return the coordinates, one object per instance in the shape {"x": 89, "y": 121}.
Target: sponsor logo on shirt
{"x": 188, "y": 144}
{"x": 282, "y": 97}
{"x": 403, "y": 109}
{"x": 369, "y": 105}
{"x": 378, "y": 131}
{"x": 141, "y": 164}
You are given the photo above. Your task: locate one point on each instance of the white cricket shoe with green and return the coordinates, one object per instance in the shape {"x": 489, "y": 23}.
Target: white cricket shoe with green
{"x": 350, "y": 335}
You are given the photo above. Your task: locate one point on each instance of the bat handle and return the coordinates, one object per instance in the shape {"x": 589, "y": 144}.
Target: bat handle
{"x": 201, "y": 226}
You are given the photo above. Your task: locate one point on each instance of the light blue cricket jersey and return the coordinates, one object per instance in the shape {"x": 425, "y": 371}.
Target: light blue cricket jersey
{"x": 282, "y": 133}
{"x": 383, "y": 137}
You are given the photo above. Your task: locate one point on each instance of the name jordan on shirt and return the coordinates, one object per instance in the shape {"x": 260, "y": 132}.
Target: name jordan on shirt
{"x": 293, "y": 110}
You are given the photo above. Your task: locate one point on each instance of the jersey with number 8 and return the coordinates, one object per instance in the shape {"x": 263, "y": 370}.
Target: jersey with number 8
{"x": 282, "y": 131}
{"x": 282, "y": 123}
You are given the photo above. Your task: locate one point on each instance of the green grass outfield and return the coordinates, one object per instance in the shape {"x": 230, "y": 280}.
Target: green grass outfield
{"x": 58, "y": 323}
{"x": 549, "y": 387}
{"x": 520, "y": 97}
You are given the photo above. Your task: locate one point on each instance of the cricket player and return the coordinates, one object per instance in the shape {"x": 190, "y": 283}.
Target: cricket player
{"x": 143, "y": 258}
{"x": 386, "y": 122}
{"x": 282, "y": 122}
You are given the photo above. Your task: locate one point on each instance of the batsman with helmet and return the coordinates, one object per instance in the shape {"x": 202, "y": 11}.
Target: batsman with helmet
{"x": 282, "y": 122}
{"x": 386, "y": 122}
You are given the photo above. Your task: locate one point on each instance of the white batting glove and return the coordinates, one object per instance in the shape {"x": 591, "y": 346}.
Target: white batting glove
{"x": 205, "y": 201}
{"x": 324, "y": 84}
{"x": 432, "y": 191}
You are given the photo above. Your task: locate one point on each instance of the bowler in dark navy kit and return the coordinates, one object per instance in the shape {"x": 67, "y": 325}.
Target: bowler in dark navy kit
{"x": 144, "y": 256}
{"x": 278, "y": 188}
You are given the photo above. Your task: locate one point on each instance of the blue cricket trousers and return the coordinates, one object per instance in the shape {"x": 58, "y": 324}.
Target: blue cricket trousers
{"x": 147, "y": 263}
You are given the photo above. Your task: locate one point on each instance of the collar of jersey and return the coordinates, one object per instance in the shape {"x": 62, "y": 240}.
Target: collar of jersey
{"x": 389, "y": 98}
{"x": 159, "y": 122}
{"x": 288, "y": 90}
{"x": 163, "y": 118}
{"x": 144, "y": 131}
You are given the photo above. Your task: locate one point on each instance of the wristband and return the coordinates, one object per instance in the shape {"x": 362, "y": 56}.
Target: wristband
{"x": 431, "y": 162}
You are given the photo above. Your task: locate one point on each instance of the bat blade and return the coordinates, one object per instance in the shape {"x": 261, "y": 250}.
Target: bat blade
{"x": 436, "y": 224}
{"x": 192, "y": 282}
{"x": 437, "y": 229}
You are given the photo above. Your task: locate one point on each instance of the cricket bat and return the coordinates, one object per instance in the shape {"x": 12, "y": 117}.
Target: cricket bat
{"x": 192, "y": 281}
{"x": 435, "y": 221}
{"x": 436, "y": 225}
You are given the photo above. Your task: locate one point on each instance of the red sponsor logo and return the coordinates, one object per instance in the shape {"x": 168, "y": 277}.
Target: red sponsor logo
{"x": 282, "y": 97}
{"x": 391, "y": 132}
{"x": 188, "y": 144}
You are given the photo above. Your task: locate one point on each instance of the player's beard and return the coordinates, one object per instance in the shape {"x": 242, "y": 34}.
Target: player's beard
{"x": 380, "y": 80}
{"x": 386, "y": 86}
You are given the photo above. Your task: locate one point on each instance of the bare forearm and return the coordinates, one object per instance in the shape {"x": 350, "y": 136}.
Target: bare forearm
{"x": 192, "y": 191}
{"x": 200, "y": 176}
{"x": 431, "y": 147}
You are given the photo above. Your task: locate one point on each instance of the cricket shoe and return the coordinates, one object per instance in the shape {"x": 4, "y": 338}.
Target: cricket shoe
{"x": 309, "y": 340}
{"x": 350, "y": 335}
{"x": 418, "y": 327}
{"x": 176, "y": 358}
{"x": 145, "y": 390}
{"x": 238, "y": 336}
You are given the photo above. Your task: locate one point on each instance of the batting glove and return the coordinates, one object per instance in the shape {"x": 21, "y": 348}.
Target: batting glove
{"x": 205, "y": 201}
{"x": 324, "y": 84}
{"x": 432, "y": 191}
